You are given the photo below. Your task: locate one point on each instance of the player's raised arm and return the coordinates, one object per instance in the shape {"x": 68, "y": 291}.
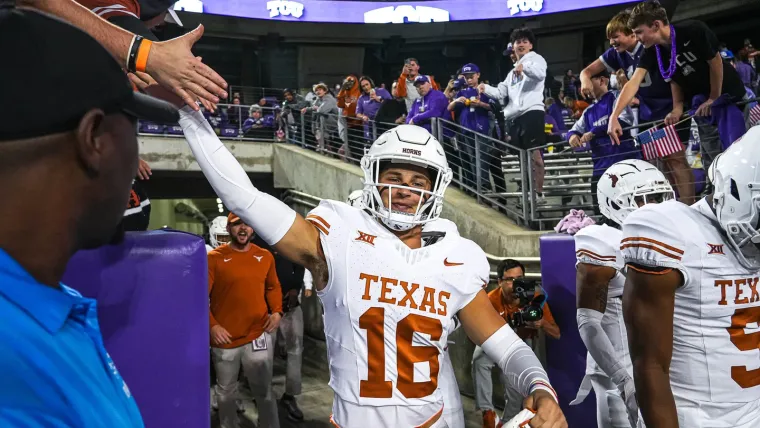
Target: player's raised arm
{"x": 276, "y": 223}
{"x": 280, "y": 226}
{"x": 515, "y": 359}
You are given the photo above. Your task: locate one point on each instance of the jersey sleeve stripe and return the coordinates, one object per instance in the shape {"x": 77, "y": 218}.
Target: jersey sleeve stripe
{"x": 595, "y": 256}
{"x": 653, "y": 248}
{"x": 653, "y": 241}
{"x": 651, "y": 272}
{"x": 316, "y": 217}
{"x": 318, "y": 225}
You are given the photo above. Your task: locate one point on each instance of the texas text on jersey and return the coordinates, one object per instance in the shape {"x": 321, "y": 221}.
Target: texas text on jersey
{"x": 399, "y": 301}
{"x": 716, "y": 360}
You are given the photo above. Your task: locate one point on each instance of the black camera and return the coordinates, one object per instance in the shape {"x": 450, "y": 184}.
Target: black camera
{"x": 459, "y": 84}
{"x": 530, "y": 303}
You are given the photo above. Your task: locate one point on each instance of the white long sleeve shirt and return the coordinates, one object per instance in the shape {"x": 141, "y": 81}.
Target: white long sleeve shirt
{"x": 525, "y": 92}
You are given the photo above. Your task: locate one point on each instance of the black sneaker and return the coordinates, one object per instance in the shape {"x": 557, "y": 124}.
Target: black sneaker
{"x": 294, "y": 413}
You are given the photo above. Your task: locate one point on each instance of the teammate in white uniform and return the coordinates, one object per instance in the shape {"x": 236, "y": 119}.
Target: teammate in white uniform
{"x": 388, "y": 300}
{"x": 217, "y": 233}
{"x": 623, "y": 188}
{"x": 453, "y": 412}
{"x": 691, "y": 300}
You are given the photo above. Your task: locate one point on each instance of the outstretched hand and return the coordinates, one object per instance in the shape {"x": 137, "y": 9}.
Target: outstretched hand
{"x": 173, "y": 65}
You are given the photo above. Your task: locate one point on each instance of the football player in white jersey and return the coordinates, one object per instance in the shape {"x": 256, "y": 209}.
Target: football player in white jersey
{"x": 623, "y": 188}
{"x": 217, "y": 233}
{"x": 453, "y": 412}
{"x": 691, "y": 301}
{"x": 387, "y": 298}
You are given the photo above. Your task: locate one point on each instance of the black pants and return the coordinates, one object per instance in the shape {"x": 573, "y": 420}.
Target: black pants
{"x": 594, "y": 198}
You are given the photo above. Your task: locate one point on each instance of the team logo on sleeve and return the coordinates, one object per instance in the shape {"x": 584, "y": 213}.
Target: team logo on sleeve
{"x": 716, "y": 249}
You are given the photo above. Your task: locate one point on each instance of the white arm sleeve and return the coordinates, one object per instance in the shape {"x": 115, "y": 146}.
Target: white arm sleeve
{"x": 499, "y": 92}
{"x": 517, "y": 361}
{"x": 599, "y": 345}
{"x": 269, "y": 217}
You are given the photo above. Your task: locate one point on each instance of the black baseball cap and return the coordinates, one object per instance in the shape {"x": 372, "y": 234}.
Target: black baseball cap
{"x": 53, "y": 73}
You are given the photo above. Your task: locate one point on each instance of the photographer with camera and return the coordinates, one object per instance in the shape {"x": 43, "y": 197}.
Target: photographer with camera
{"x": 518, "y": 300}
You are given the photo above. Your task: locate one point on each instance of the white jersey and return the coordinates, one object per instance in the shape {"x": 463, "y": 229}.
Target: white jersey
{"x": 209, "y": 248}
{"x": 600, "y": 245}
{"x": 717, "y": 309}
{"x": 387, "y": 308}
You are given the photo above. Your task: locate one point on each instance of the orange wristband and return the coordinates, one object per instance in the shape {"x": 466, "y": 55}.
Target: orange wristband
{"x": 142, "y": 55}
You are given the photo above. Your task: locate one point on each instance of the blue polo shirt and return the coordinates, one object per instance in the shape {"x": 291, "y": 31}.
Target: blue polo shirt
{"x": 54, "y": 370}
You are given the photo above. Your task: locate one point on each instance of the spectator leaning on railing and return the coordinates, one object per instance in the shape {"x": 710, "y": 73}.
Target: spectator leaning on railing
{"x": 406, "y": 82}
{"x": 431, "y": 103}
{"x": 699, "y": 79}
{"x": 325, "y": 118}
{"x": 524, "y": 88}
{"x": 369, "y": 103}
{"x": 653, "y": 98}
{"x": 590, "y": 131}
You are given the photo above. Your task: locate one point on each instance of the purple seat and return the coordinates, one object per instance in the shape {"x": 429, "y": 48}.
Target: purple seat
{"x": 174, "y": 130}
{"x": 151, "y": 128}
{"x": 229, "y": 131}
{"x": 152, "y": 294}
{"x": 566, "y": 357}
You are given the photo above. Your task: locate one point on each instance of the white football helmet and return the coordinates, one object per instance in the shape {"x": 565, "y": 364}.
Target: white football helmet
{"x": 405, "y": 144}
{"x": 629, "y": 184}
{"x": 217, "y": 232}
{"x": 736, "y": 178}
{"x": 355, "y": 198}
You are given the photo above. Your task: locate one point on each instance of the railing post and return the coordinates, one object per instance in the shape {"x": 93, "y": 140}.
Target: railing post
{"x": 303, "y": 130}
{"x": 374, "y": 130}
{"x": 478, "y": 172}
{"x": 526, "y": 185}
{"x": 531, "y": 194}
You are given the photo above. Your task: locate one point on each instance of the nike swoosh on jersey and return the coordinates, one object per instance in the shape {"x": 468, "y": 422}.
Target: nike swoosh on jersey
{"x": 446, "y": 262}
{"x": 226, "y": 260}
{"x": 687, "y": 43}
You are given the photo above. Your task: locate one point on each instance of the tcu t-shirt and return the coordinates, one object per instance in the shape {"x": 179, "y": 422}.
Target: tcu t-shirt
{"x": 696, "y": 45}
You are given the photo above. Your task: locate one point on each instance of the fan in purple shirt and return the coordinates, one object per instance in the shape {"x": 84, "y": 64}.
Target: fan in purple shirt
{"x": 369, "y": 103}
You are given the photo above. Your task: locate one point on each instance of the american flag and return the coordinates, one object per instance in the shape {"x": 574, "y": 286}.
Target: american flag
{"x": 754, "y": 115}
{"x": 657, "y": 143}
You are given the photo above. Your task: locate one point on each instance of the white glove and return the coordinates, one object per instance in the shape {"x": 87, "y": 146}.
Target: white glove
{"x": 519, "y": 421}
{"x": 628, "y": 394}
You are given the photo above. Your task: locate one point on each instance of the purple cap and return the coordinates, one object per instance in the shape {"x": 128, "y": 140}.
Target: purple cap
{"x": 421, "y": 79}
{"x": 470, "y": 69}
{"x": 508, "y": 51}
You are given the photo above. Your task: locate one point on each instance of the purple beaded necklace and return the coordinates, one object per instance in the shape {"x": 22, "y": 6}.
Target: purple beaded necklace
{"x": 672, "y": 67}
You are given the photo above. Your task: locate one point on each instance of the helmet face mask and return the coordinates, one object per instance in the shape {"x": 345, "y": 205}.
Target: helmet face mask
{"x": 217, "y": 232}
{"x": 405, "y": 145}
{"x": 628, "y": 185}
{"x": 736, "y": 178}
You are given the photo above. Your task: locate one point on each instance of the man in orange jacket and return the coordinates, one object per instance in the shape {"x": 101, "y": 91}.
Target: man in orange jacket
{"x": 406, "y": 88}
{"x": 245, "y": 307}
